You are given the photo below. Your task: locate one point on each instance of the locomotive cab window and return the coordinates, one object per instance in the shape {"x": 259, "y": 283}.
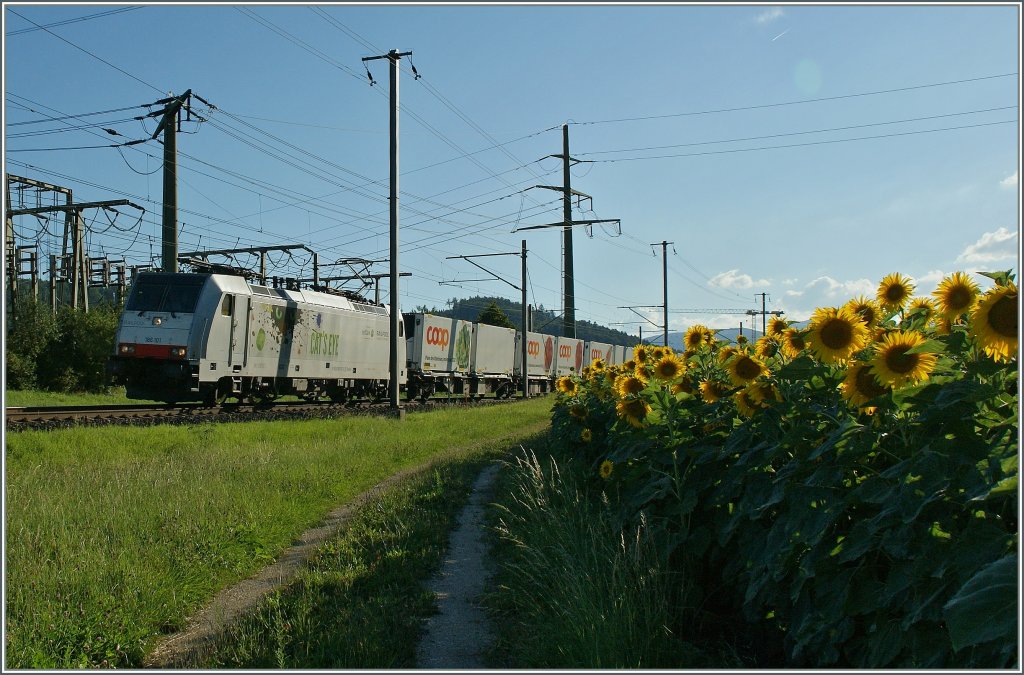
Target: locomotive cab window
{"x": 227, "y": 306}
{"x": 409, "y": 322}
{"x": 166, "y": 293}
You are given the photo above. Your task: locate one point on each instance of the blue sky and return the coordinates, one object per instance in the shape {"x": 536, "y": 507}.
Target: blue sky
{"x": 902, "y": 127}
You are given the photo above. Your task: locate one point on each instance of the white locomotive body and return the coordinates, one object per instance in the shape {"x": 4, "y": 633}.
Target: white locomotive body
{"x": 204, "y": 337}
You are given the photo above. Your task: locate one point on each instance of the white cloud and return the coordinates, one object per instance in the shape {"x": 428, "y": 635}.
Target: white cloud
{"x": 991, "y": 247}
{"x": 770, "y": 15}
{"x": 733, "y": 279}
{"x": 830, "y": 289}
{"x": 1009, "y": 182}
{"x": 794, "y": 294}
{"x": 789, "y": 282}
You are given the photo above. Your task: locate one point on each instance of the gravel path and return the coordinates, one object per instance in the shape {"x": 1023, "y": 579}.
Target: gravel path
{"x": 458, "y": 635}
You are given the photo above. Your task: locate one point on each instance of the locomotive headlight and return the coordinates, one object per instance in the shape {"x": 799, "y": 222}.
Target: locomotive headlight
{"x": 157, "y": 320}
{"x": 126, "y": 349}
{"x": 178, "y": 351}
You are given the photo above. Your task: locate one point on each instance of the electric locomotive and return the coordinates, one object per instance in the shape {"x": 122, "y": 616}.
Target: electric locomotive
{"x": 205, "y": 337}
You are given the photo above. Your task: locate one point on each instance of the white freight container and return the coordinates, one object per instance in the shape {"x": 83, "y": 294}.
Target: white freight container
{"x": 493, "y": 352}
{"x": 540, "y": 354}
{"x": 438, "y": 344}
{"x": 569, "y": 356}
{"x": 598, "y": 350}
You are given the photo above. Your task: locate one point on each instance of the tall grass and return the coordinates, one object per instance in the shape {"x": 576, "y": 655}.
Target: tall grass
{"x": 115, "y": 535}
{"x": 575, "y": 590}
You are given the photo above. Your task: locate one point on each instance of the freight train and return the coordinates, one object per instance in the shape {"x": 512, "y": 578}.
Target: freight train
{"x": 208, "y": 337}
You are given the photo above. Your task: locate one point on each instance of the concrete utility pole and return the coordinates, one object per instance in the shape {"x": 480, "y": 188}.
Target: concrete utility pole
{"x": 664, "y": 277}
{"x": 568, "y": 281}
{"x": 569, "y": 293}
{"x": 169, "y": 125}
{"x": 523, "y": 345}
{"x": 393, "y": 57}
{"x": 764, "y": 313}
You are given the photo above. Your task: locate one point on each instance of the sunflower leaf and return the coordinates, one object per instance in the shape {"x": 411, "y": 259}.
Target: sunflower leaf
{"x": 928, "y": 347}
{"x": 1001, "y": 278}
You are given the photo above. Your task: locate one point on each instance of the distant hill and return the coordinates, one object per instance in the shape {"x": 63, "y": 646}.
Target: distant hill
{"x": 544, "y": 321}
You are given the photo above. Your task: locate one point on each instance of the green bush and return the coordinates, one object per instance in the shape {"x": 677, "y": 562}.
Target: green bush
{"x": 31, "y": 328}
{"x": 67, "y": 352}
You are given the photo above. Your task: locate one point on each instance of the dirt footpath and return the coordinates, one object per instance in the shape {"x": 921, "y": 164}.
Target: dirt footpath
{"x": 457, "y": 637}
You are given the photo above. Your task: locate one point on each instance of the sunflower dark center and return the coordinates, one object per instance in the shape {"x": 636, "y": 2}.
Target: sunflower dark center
{"x": 959, "y": 298}
{"x": 747, "y": 368}
{"x": 867, "y": 385}
{"x": 668, "y": 369}
{"x": 837, "y": 334}
{"x": 899, "y": 361}
{"x": 1003, "y": 316}
{"x": 867, "y": 314}
{"x": 895, "y": 293}
{"x": 635, "y": 408}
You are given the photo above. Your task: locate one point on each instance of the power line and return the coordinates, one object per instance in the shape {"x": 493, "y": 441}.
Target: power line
{"x": 81, "y": 49}
{"x": 66, "y": 22}
{"x": 800, "y": 102}
{"x": 800, "y": 145}
{"x": 798, "y": 133}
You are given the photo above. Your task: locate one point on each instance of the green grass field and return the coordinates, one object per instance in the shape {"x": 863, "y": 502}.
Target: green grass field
{"x": 116, "y": 535}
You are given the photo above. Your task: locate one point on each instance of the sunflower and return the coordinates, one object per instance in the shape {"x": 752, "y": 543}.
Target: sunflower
{"x": 894, "y": 292}
{"x": 697, "y": 336}
{"x": 763, "y": 393}
{"x": 629, "y": 366}
{"x": 860, "y": 384}
{"x": 922, "y": 307}
{"x": 633, "y": 410}
{"x": 956, "y": 295}
{"x": 745, "y": 404}
{"x": 657, "y": 353}
{"x": 628, "y": 385}
{"x": 640, "y": 354}
{"x": 867, "y": 309}
{"x": 683, "y": 386}
{"x": 586, "y": 435}
{"x": 793, "y": 342}
{"x": 566, "y": 385}
{"x": 712, "y": 390}
{"x": 894, "y": 367}
{"x": 578, "y": 411}
{"x": 668, "y": 368}
{"x": 597, "y": 365}
{"x": 606, "y": 469}
{"x": 726, "y": 352}
{"x": 994, "y": 322}
{"x": 777, "y": 326}
{"x": 766, "y": 347}
{"x": 741, "y": 340}
{"x": 744, "y": 369}
{"x": 836, "y": 334}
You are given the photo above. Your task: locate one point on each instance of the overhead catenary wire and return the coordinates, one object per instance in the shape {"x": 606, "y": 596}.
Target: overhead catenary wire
{"x": 800, "y": 101}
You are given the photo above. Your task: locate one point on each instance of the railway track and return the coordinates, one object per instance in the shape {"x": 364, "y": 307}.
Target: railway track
{"x": 61, "y": 417}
